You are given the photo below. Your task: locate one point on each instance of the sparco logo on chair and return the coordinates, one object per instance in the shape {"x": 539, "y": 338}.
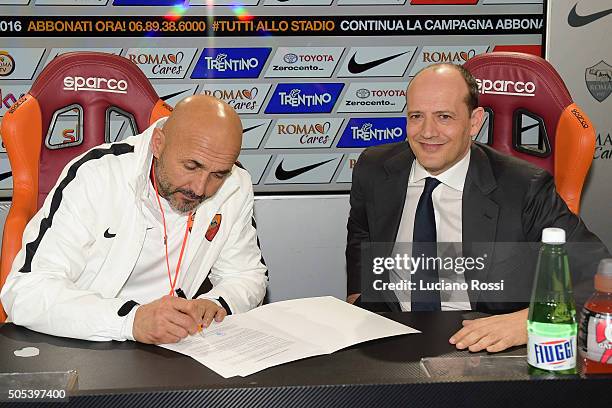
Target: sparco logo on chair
{"x": 96, "y": 84}
{"x": 506, "y": 87}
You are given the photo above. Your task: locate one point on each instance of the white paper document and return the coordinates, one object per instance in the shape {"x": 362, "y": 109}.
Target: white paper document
{"x": 281, "y": 332}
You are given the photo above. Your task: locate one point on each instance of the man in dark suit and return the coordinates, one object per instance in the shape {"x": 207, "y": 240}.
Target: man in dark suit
{"x": 459, "y": 191}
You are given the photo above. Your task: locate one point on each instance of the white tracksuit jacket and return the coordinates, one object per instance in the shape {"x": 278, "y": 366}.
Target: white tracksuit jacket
{"x": 65, "y": 279}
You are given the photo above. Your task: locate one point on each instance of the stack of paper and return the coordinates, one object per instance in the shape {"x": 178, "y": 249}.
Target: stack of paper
{"x": 281, "y": 332}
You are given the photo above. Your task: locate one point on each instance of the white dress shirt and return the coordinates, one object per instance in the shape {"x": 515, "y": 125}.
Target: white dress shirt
{"x": 447, "y": 200}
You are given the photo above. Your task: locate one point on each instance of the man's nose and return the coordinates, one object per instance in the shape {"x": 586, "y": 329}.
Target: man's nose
{"x": 199, "y": 185}
{"x": 429, "y": 128}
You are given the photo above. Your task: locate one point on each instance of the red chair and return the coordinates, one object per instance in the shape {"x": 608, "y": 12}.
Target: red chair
{"x": 88, "y": 89}
{"x": 532, "y": 116}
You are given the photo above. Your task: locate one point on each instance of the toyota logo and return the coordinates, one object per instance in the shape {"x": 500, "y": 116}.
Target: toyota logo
{"x": 290, "y": 58}
{"x": 362, "y": 93}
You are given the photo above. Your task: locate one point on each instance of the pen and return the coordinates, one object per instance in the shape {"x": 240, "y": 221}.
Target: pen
{"x": 181, "y": 294}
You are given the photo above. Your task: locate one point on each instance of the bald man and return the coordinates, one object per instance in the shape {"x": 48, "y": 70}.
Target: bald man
{"x": 147, "y": 239}
{"x": 441, "y": 187}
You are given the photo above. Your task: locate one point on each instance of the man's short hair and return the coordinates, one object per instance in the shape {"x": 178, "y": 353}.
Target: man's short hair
{"x": 471, "y": 99}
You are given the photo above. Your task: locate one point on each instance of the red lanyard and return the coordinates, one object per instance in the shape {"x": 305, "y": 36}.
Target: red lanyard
{"x": 187, "y": 229}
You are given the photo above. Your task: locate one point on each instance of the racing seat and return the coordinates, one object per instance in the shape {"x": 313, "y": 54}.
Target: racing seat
{"x": 531, "y": 115}
{"x": 80, "y": 100}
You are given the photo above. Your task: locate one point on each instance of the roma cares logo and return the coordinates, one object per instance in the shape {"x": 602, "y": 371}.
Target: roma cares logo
{"x": 213, "y": 228}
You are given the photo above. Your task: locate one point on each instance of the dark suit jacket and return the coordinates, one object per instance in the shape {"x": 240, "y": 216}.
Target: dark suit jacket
{"x": 504, "y": 200}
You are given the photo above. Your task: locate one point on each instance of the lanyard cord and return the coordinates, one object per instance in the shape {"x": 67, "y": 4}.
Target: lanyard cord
{"x": 187, "y": 228}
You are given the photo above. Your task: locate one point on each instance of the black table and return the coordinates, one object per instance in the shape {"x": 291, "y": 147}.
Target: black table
{"x": 380, "y": 373}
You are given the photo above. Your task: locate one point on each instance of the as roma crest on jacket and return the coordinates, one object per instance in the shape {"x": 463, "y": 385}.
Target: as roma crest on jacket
{"x": 213, "y": 228}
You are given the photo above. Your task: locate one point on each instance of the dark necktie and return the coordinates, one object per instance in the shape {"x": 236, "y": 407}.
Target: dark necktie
{"x": 424, "y": 246}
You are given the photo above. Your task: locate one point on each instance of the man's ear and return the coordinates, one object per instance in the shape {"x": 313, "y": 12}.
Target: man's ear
{"x": 476, "y": 121}
{"x": 157, "y": 142}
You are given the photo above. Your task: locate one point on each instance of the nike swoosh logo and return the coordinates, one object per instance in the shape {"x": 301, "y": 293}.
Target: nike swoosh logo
{"x": 576, "y": 20}
{"x": 107, "y": 234}
{"x": 4, "y": 176}
{"x": 355, "y": 67}
{"x": 283, "y": 174}
{"x": 172, "y": 95}
{"x": 252, "y": 127}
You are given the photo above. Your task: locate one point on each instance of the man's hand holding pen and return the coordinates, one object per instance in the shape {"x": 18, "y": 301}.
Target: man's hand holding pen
{"x": 170, "y": 319}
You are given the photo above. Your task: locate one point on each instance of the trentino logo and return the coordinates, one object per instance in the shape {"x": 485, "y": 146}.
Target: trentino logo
{"x": 364, "y": 132}
{"x": 304, "y": 98}
{"x": 231, "y": 63}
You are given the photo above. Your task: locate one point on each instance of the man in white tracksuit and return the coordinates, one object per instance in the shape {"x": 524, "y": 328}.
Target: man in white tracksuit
{"x": 131, "y": 225}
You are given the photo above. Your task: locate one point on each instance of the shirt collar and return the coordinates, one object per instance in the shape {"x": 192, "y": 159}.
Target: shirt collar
{"x": 453, "y": 177}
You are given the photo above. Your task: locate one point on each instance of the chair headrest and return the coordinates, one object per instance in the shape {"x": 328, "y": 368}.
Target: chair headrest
{"x": 525, "y": 97}
{"x": 95, "y": 81}
{"x": 89, "y": 91}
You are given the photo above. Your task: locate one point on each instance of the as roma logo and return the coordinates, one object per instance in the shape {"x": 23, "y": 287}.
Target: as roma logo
{"x": 213, "y": 228}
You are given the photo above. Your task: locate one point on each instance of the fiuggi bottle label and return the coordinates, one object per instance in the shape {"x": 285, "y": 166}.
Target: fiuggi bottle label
{"x": 551, "y": 352}
{"x": 596, "y": 336}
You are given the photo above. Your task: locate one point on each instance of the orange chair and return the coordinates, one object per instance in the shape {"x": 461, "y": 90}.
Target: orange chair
{"x": 531, "y": 115}
{"x": 87, "y": 90}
